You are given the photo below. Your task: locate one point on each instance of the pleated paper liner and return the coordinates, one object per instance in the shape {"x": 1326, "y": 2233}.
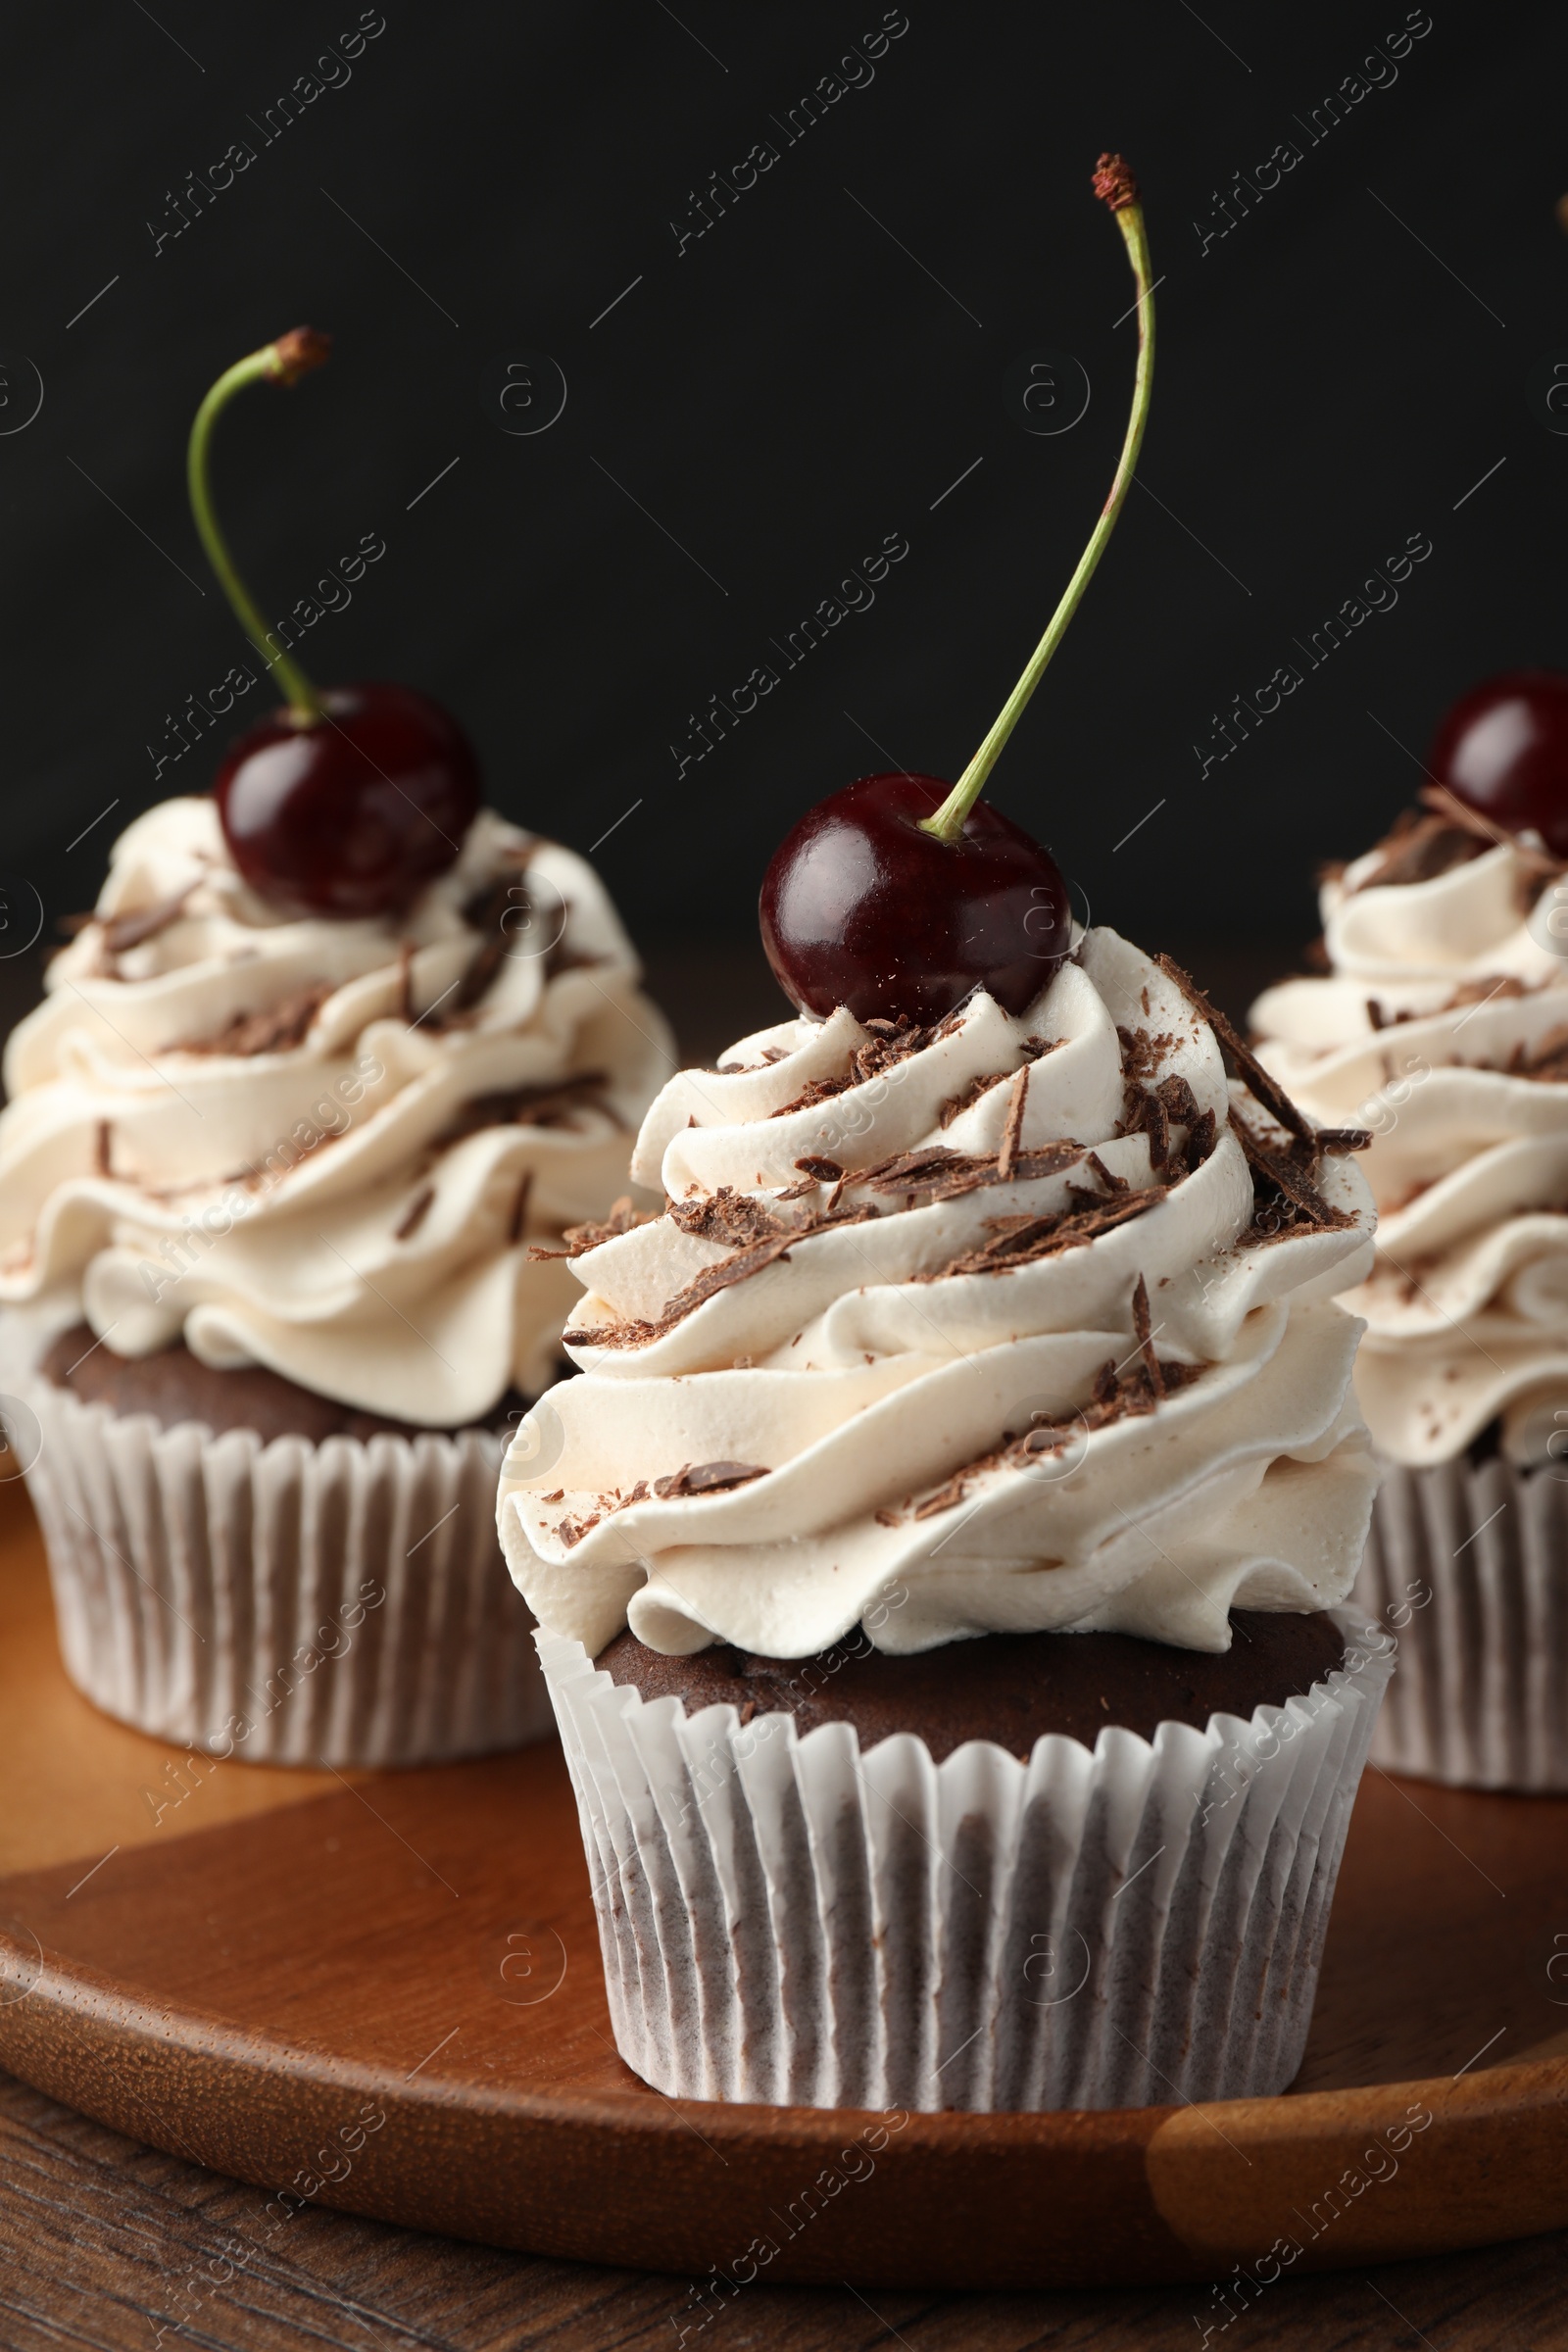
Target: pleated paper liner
{"x": 799, "y": 1921}
{"x": 1467, "y": 1567}
{"x": 342, "y": 1604}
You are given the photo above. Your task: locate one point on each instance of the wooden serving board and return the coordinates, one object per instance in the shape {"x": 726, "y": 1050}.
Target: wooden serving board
{"x": 385, "y": 1994}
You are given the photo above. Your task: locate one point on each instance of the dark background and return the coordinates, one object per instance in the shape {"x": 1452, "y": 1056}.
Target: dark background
{"x": 781, "y": 395}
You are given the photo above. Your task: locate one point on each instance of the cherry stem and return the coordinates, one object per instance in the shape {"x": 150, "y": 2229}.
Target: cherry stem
{"x": 281, "y": 362}
{"x": 948, "y": 823}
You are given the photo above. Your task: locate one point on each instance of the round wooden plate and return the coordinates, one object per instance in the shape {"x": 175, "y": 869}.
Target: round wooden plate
{"x": 386, "y": 1995}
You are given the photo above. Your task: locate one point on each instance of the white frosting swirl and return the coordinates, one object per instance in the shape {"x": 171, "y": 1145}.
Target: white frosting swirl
{"x": 1442, "y": 993}
{"x": 349, "y": 1198}
{"x": 865, "y": 1369}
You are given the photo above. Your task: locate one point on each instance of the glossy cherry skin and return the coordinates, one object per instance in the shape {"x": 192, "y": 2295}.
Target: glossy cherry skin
{"x": 860, "y": 908}
{"x": 1503, "y": 750}
{"x": 355, "y": 813}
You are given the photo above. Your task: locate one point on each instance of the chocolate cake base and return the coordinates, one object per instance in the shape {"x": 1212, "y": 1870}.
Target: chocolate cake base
{"x": 176, "y": 1385}
{"x": 1008, "y": 1687}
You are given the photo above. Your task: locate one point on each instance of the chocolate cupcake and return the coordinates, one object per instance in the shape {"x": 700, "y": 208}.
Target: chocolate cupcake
{"x": 940, "y": 1560}
{"x": 1440, "y": 1024}
{"x": 277, "y": 1197}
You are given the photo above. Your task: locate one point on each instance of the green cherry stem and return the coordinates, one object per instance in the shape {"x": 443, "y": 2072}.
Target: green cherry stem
{"x": 1115, "y": 185}
{"x": 281, "y": 362}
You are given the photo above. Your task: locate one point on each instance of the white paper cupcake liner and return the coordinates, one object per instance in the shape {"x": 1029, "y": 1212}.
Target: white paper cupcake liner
{"x": 1468, "y": 1569}
{"x": 294, "y": 1603}
{"x": 794, "y": 1921}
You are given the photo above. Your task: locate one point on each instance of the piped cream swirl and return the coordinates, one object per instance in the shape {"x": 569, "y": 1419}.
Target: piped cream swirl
{"x": 323, "y": 1145}
{"x": 1443, "y": 996}
{"x": 852, "y": 1415}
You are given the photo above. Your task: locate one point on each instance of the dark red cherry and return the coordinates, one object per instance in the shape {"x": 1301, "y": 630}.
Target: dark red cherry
{"x": 355, "y": 812}
{"x": 860, "y": 908}
{"x": 1503, "y": 750}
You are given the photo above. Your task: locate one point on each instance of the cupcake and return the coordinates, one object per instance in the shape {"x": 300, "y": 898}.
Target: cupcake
{"x": 939, "y": 1562}
{"x": 336, "y": 1051}
{"x": 268, "y": 1186}
{"x": 1440, "y": 1024}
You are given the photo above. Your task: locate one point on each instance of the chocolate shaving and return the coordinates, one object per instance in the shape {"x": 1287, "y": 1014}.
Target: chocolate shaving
{"x": 956, "y": 1105}
{"x": 104, "y": 1149}
{"x": 1344, "y": 1138}
{"x": 1014, "y": 1131}
{"x": 1143, "y": 1329}
{"x": 1181, "y": 1103}
{"x": 821, "y": 1169}
{"x": 1033, "y": 1049}
{"x": 1458, "y": 814}
{"x": 734, "y": 1218}
{"x": 1417, "y": 849}
{"x": 1020, "y": 1241}
{"x": 1269, "y": 1093}
{"x": 549, "y": 1104}
{"x": 123, "y": 931}
{"x": 414, "y": 1214}
{"x": 1200, "y": 1137}
{"x": 484, "y": 915}
{"x": 1443, "y": 833}
{"x": 936, "y": 1173}
{"x": 275, "y": 1031}
{"x": 562, "y": 958}
{"x": 742, "y": 1070}
{"x": 1482, "y": 990}
{"x": 815, "y": 1090}
{"x": 888, "y": 1044}
{"x": 1117, "y": 1396}
{"x": 738, "y": 1267}
{"x": 520, "y": 1209}
{"x": 1290, "y": 1174}
{"x": 1112, "y": 1184}
{"x": 1546, "y": 1062}
{"x": 590, "y": 1235}
{"x": 572, "y": 1531}
{"x": 707, "y": 1477}
{"x": 1142, "y": 1053}
{"x": 1153, "y": 1118}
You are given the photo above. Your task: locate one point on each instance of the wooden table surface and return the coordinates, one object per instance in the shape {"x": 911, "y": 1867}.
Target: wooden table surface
{"x": 99, "y": 2236}
{"x": 101, "y": 2240}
